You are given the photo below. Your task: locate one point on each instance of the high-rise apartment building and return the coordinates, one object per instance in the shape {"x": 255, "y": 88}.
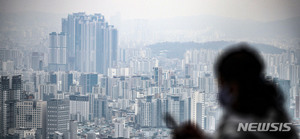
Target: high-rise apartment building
{"x": 119, "y": 129}
{"x": 145, "y": 113}
{"x": 197, "y": 108}
{"x": 157, "y": 76}
{"x": 97, "y": 106}
{"x": 174, "y": 107}
{"x": 57, "y": 48}
{"x": 91, "y": 42}
{"x": 159, "y": 108}
{"x": 79, "y": 108}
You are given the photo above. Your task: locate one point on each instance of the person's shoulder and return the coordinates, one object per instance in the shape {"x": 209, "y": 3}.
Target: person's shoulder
{"x": 228, "y": 126}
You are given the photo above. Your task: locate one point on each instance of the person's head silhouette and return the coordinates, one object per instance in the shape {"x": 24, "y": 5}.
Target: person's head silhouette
{"x": 242, "y": 86}
{"x": 246, "y": 96}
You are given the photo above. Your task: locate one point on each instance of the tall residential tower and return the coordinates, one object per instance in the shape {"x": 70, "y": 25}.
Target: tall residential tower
{"x": 91, "y": 43}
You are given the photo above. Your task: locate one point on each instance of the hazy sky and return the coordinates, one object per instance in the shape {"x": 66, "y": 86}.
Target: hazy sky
{"x": 262, "y": 10}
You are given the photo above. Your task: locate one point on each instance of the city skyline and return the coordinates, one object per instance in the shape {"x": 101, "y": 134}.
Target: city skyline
{"x": 114, "y": 69}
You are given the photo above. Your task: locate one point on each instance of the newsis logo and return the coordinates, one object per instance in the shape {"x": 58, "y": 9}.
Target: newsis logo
{"x": 261, "y": 127}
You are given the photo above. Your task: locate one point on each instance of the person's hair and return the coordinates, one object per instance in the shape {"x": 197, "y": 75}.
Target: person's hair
{"x": 243, "y": 65}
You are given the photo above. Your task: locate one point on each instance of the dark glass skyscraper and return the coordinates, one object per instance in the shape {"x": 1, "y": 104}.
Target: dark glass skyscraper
{"x": 9, "y": 95}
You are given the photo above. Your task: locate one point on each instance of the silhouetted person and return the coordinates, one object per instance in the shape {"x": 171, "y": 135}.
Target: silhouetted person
{"x": 246, "y": 97}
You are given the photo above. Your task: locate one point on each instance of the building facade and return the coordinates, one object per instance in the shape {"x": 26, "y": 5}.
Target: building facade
{"x": 31, "y": 114}
{"x": 58, "y": 111}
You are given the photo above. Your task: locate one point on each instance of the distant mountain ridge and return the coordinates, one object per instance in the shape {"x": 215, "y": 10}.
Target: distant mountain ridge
{"x": 177, "y": 49}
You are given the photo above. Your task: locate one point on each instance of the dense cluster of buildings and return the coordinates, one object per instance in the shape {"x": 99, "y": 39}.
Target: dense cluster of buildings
{"x": 90, "y": 88}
